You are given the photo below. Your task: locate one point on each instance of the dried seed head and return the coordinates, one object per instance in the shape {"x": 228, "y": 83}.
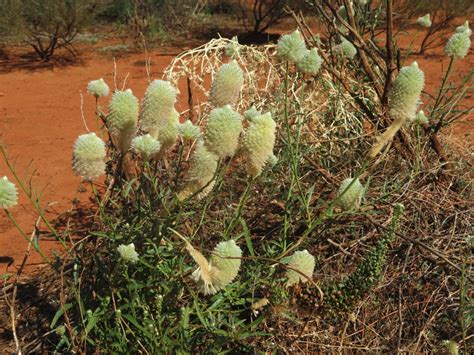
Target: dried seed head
{"x": 98, "y": 88}
{"x": 352, "y": 198}
{"x": 405, "y": 93}
{"x": 424, "y": 21}
{"x": 291, "y": 47}
{"x": 222, "y": 131}
{"x": 301, "y": 261}
{"x": 258, "y": 142}
{"x": 157, "y": 106}
{"x": 310, "y": 63}
{"x": 88, "y": 156}
{"x": 122, "y": 118}
{"x": 146, "y": 145}
{"x": 8, "y": 193}
{"x": 226, "y": 85}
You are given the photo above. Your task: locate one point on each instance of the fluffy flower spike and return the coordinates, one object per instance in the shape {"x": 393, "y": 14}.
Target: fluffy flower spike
{"x": 122, "y": 118}
{"x": 169, "y": 133}
{"x": 157, "y": 106}
{"x": 88, "y": 156}
{"x": 189, "y": 131}
{"x": 201, "y": 172}
{"x": 146, "y": 145}
{"x": 251, "y": 113}
{"x": 232, "y": 49}
{"x": 345, "y": 49}
{"x": 222, "y": 131}
{"x": 8, "y": 193}
{"x": 291, "y": 47}
{"x": 458, "y": 45}
{"x": 226, "y": 85}
{"x": 424, "y": 21}
{"x": 352, "y": 198}
{"x": 301, "y": 261}
{"x": 98, "y": 88}
{"x": 258, "y": 143}
{"x": 128, "y": 253}
{"x": 310, "y": 63}
{"x": 464, "y": 28}
{"x": 220, "y": 271}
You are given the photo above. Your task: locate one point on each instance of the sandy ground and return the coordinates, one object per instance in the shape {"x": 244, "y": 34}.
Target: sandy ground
{"x": 40, "y": 118}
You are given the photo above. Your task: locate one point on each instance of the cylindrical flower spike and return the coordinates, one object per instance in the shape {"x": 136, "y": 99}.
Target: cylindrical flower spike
{"x": 226, "y": 85}
{"x": 291, "y": 47}
{"x": 8, "y": 193}
{"x": 258, "y": 143}
{"x": 146, "y": 145}
{"x": 310, "y": 63}
{"x": 303, "y": 262}
{"x": 220, "y": 271}
{"x": 88, "y": 156}
{"x": 169, "y": 133}
{"x": 458, "y": 45}
{"x": 201, "y": 173}
{"x": 352, "y": 198}
{"x": 403, "y": 100}
{"x": 222, "y": 131}
{"x": 122, "y": 118}
{"x": 98, "y": 88}
{"x": 424, "y": 21}
{"x": 157, "y": 106}
{"x": 232, "y": 49}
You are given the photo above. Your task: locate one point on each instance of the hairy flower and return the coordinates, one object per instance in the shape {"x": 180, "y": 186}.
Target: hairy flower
{"x": 201, "y": 172}
{"x": 405, "y": 93}
{"x": 122, "y": 118}
{"x": 420, "y": 118}
{"x": 232, "y": 49}
{"x": 310, "y": 63}
{"x": 98, "y": 88}
{"x": 251, "y": 113}
{"x": 146, "y": 145}
{"x": 169, "y": 133}
{"x": 8, "y": 193}
{"x": 458, "y": 45}
{"x": 291, "y": 47}
{"x": 222, "y": 131}
{"x": 303, "y": 262}
{"x": 128, "y": 253}
{"x": 157, "y": 106}
{"x": 220, "y": 271}
{"x": 424, "y": 21}
{"x": 189, "y": 131}
{"x": 258, "y": 142}
{"x": 464, "y": 28}
{"x": 345, "y": 49}
{"x": 350, "y": 199}
{"x": 226, "y": 85}
{"x": 88, "y": 156}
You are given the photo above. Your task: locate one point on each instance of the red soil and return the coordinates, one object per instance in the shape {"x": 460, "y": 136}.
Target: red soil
{"x": 40, "y": 118}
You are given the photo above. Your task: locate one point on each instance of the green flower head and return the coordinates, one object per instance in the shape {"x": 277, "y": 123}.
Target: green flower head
{"x": 258, "y": 142}
{"x": 345, "y": 49}
{"x": 291, "y": 47}
{"x": 464, "y": 28}
{"x": 88, "y": 156}
{"x": 232, "y": 49}
{"x": 98, "y": 88}
{"x": 226, "y": 85}
{"x": 310, "y": 63}
{"x": 188, "y": 131}
{"x": 421, "y": 118}
{"x": 146, "y": 145}
{"x": 303, "y": 262}
{"x": 227, "y": 268}
{"x": 458, "y": 45}
{"x": 122, "y": 118}
{"x": 350, "y": 199}
{"x": 8, "y": 193}
{"x": 222, "y": 131}
{"x": 157, "y": 106}
{"x": 128, "y": 253}
{"x": 251, "y": 113}
{"x": 405, "y": 93}
{"x": 169, "y": 133}
{"x": 424, "y": 21}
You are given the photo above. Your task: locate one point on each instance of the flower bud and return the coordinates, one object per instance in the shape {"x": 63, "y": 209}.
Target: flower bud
{"x": 351, "y": 198}
{"x": 146, "y": 145}
{"x": 98, "y": 88}
{"x": 291, "y": 47}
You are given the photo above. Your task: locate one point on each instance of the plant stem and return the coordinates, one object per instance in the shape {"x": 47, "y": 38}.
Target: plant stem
{"x": 443, "y": 83}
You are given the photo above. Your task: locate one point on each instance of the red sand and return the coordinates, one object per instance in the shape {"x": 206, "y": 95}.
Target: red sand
{"x": 40, "y": 118}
